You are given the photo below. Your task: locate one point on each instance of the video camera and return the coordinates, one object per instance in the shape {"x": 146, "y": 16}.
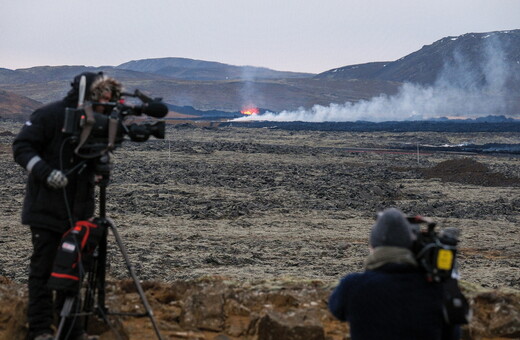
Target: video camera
{"x": 97, "y": 132}
{"x": 435, "y": 251}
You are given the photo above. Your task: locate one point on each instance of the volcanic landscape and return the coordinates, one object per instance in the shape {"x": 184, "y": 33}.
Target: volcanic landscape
{"x": 264, "y": 203}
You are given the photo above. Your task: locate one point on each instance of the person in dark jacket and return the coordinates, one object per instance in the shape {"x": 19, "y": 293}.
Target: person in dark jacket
{"x": 391, "y": 299}
{"x": 59, "y": 192}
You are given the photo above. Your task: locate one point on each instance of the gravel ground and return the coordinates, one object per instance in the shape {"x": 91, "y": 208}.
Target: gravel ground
{"x": 265, "y": 203}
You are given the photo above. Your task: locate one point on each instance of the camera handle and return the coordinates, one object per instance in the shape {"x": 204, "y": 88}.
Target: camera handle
{"x": 97, "y": 274}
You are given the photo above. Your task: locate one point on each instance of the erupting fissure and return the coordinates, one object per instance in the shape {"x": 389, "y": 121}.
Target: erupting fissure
{"x": 250, "y": 111}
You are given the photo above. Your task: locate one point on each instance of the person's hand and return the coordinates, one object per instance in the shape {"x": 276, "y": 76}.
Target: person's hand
{"x": 57, "y": 179}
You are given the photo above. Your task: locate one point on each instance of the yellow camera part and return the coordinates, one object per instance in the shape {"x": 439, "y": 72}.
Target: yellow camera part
{"x": 445, "y": 259}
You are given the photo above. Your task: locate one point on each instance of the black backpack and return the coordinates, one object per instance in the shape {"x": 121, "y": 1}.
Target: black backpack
{"x": 74, "y": 252}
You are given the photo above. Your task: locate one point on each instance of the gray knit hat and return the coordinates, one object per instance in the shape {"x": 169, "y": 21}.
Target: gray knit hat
{"x": 392, "y": 229}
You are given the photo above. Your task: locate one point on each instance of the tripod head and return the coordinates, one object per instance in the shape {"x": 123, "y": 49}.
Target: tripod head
{"x": 103, "y": 168}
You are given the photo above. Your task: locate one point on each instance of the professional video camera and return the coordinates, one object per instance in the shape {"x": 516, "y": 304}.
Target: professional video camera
{"x": 435, "y": 251}
{"x": 95, "y": 129}
{"x": 98, "y": 132}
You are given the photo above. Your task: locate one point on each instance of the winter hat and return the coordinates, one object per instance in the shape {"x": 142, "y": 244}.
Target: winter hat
{"x": 391, "y": 229}
{"x": 90, "y": 77}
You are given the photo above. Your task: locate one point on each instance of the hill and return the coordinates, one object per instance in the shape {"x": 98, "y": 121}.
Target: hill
{"x": 474, "y": 53}
{"x": 45, "y": 84}
{"x": 15, "y": 106}
{"x": 488, "y": 62}
{"x": 190, "y": 69}
{"x": 49, "y": 83}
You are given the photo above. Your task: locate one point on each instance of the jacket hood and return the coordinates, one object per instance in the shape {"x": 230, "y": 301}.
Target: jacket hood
{"x": 73, "y": 94}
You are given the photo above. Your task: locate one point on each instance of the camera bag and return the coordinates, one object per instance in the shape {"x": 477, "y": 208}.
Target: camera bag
{"x": 76, "y": 247}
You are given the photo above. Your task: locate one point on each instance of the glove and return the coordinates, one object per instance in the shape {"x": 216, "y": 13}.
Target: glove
{"x": 57, "y": 179}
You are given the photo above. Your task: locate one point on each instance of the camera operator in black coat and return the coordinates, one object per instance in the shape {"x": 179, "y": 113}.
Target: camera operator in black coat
{"x": 392, "y": 299}
{"x": 59, "y": 192}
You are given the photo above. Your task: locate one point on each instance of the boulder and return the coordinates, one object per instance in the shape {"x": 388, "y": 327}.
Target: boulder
{"x": 290, "y": 326}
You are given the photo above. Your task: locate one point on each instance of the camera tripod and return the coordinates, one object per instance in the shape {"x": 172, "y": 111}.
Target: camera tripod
{"x": 95, "y": 275}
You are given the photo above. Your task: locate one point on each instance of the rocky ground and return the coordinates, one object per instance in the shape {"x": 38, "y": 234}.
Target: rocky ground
{"x": 270, "y": 205}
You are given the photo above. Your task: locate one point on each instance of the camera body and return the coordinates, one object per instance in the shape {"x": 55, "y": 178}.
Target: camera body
{"x": 96, "y": 132}
{"x": 435, "y": 251}
{"x": 76, "y": 120}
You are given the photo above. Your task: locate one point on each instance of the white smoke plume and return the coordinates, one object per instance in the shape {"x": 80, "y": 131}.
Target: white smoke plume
{"x": 459, "y": 91}
{"x": 248, "y": 90}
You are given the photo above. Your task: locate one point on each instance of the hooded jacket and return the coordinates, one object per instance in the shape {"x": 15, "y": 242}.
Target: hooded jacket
{"x": 391, "y": 300}
{"x": 41, "y": 136}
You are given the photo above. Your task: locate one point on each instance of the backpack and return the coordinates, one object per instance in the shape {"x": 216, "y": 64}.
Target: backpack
{"x": 74, "y": 252}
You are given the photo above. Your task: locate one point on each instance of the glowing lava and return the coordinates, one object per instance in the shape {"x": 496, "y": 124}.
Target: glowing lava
{"x": 250, "y": 111}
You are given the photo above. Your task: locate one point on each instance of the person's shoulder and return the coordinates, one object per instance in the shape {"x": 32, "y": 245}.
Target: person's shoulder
{"x": 398, "y": 268}
{"x": 48, "y": 110}
{"x": 392, "y": 271}
{"x": 353, "y": 277}
{"x": 58, "y": 104}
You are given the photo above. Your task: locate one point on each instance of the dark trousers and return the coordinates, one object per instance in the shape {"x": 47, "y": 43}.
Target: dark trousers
{"x": 42, "y": 307}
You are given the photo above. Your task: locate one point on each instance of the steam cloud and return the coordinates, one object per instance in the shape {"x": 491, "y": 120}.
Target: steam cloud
{"x": 464, "y": 88}
{"x": 248, "y": 90}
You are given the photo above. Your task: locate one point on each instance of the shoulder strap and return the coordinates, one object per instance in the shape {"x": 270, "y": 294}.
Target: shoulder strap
{"x": 89, "y": 123}
{"x": 455, "y": 305}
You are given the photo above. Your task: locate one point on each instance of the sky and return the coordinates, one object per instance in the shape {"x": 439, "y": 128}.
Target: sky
{"x": 287, "y": 35}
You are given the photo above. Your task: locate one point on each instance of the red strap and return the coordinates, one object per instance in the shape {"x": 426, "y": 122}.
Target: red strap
{"x": 65, "y": 276}
{"x": 86, "y": 224}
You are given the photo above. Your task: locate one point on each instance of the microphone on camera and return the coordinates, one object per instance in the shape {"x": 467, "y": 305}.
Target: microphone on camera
{"x": 154, "y": 109}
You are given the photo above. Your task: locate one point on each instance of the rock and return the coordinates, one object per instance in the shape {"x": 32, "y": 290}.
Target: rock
{"x": 496, "y": 314}
{"x": 238, "y": 326}
{"x": 222, "y": 337}
{"x": 16, "y": 327}
{"x": 204, "y": 309}
{"x": 216, "y": 308}
{"x": 13, "y": 310}
{"x": 115, "y": 331}
{"x": 291, "y": 326}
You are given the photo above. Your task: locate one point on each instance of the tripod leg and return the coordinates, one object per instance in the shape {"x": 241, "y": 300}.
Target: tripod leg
{"x": 138, "y": 286}
{"x": 101, "y": 271}
{"x": 91, "y": 289}
{"x": 95, "y": 287}
{"x": 64, "y": 314}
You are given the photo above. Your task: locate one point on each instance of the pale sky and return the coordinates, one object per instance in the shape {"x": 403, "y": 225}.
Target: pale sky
{"x": 286, "y": 35}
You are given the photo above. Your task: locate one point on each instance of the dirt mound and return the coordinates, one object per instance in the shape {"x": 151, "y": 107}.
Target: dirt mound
{"x": 468, "y": 171}
{"x": 219, "y": 308}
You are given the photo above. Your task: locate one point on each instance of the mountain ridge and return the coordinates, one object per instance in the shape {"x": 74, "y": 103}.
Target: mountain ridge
{"x": 194, "y": 69}
{"x": 426, "y": 65}
{"x": 208, "y": 85}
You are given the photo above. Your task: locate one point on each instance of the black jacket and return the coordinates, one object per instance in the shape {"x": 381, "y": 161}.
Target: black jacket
{"x": 391, "y": 302}
{"x": 43, "y": 206}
